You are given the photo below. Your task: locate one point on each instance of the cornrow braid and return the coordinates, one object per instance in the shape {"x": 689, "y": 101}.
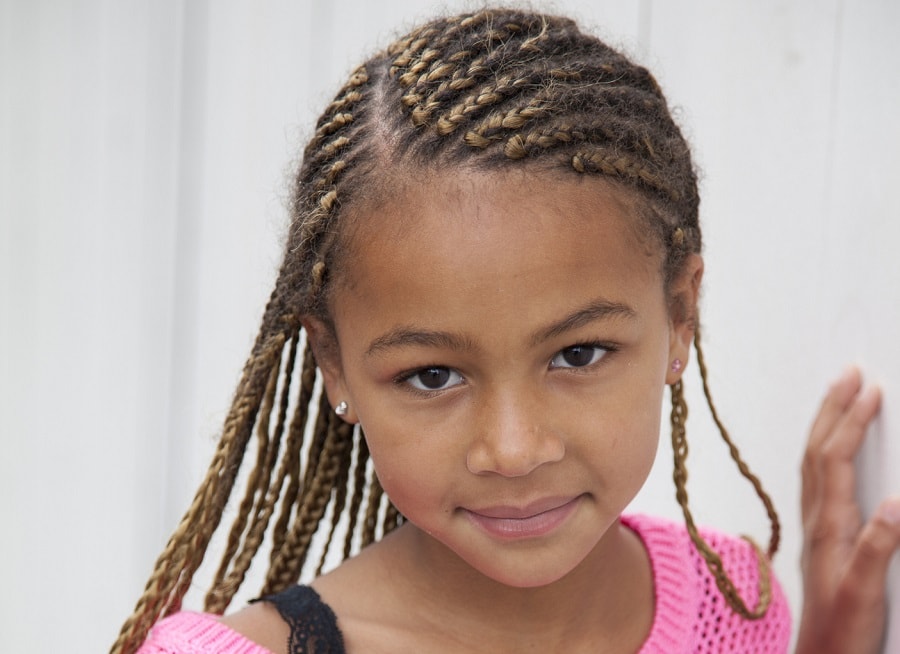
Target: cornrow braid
{"x": 485, "y": 32}
{"x": 488, "y": 90}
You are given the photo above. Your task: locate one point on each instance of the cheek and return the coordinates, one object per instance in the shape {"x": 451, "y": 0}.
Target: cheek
{"x": 639, "y": 446}
{"x": 414, "y": 470}
{"x": 641, "y": 415}
{"x": 624, "y": 443}
{"x": 623, "y": 427}
{"x": 642, "y": 438}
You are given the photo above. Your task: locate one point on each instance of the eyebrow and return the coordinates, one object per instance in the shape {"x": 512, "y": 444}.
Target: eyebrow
{"x": 596, "y": 310}
{"x": 410, "y": 336}
{"x": 406, "y": 336}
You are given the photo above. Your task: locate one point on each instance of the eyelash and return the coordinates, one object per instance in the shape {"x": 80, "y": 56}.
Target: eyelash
{"x": 403, "y": 379}
{"x": 606, "y": 348}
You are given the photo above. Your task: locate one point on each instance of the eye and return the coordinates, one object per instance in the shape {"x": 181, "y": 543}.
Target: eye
{"x": 435, "y": 378}
{"x": 578, "y": 356}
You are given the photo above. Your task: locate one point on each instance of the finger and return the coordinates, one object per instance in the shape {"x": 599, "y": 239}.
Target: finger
{"x": 837, "y": 399}
{"x": 861, "y": 599}
{"x": 878, "y": 541}
{"x": 829, "y": 472}
{"x": 839, "y": 450}
{"x": 832, "y": 517}
{"x": 839, "y": 396}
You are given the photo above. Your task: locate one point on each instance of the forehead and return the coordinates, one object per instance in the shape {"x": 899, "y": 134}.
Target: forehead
{"x": 466, "y": 206}
{"x": 472, "y": 237}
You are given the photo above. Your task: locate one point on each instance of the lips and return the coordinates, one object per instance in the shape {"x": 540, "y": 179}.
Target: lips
{"x": 531, "y": 521}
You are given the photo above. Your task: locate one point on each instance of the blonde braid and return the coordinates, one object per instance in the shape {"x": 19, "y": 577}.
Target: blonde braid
{"x": 434, "y": 73}
{"x": 339, "y": 502}
{"x": 214, "y": 508}
{"x": 266, "y": 493}
{"x": 289, "y": 468}
{"x": 298, "y": 487}
{"x": 614, "y": 165}
{"x": 359, "y": 486}
{"x": 775, "y": 536}
{"x": 376, "y": 492}
{"x": 392, "y": 518}
{"x": 253, "y": 483}
{"x": 182, "y": 555}
{"x": 713, "y": 561}
{"x": 288, "y": 563}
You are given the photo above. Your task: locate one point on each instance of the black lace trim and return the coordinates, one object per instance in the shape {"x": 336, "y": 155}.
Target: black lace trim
{"x": 313, "y": 624}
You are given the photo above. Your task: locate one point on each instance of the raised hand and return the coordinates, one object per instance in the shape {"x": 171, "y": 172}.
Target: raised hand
{"x": 845, "y": 561}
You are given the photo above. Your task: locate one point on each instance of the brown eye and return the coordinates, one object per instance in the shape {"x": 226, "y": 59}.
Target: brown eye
{"x": 434, "y": 379}
{"x": 578, "y": 356}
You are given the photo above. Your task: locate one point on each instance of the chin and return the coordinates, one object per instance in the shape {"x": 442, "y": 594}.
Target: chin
{"x": 522, "y": 570}
{"x": 531, "y": 581}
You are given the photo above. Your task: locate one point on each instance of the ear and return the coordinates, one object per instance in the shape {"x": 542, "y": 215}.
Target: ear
{"x": 323, "y": 342}
{"x": 684, "y": 294}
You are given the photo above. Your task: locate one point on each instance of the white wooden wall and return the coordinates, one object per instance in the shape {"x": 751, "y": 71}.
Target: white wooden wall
{"x": 144, "y": 148}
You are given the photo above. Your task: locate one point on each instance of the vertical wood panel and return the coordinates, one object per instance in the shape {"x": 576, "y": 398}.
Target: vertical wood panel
{"x": 754, "y": 81}
{"x": 860, "y": 277}
{"x": 88, "y": 160}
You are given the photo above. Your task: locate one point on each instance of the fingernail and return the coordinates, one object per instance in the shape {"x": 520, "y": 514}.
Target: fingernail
{"x": 845, "y": 375}
{"x": 872, "y": 393}
{"x": 889, "y": 511}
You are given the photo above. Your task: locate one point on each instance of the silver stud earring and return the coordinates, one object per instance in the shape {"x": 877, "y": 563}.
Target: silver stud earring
{"x": 676, "y": 365}
{"x": 341, "y": 409}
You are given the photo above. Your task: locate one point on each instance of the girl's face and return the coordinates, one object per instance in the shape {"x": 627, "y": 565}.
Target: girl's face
{"x": 504, "y": 340}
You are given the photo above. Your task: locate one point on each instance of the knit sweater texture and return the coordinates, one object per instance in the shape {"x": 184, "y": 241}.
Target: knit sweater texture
{"x": 690, "y": 616}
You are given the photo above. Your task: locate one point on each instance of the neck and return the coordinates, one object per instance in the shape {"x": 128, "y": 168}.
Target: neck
{"x": 607, "y": 598}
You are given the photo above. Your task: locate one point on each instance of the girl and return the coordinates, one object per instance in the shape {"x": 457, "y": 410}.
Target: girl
{"x": 493, "y": 269}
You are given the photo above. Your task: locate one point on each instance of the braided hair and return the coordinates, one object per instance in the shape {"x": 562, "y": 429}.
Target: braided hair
{"x": 487, "y": 90}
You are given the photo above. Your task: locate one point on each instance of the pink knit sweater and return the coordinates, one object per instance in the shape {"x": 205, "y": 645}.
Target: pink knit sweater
{"x": 690, "y": 617}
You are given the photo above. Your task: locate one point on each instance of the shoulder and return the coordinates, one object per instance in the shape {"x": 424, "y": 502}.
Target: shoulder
{"x": 275, "y": 625}
{"x": 309, "y": 623}
{"x": 261, "y": 623}
{"x": 684, "y": 585}
{"x": 668, "y": 542}
{"x": 189, "y": 632}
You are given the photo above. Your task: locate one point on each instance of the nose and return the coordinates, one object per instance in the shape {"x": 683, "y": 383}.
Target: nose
{"x": 513, "y": 438}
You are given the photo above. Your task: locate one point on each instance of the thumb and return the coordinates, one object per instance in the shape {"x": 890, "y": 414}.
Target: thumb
{"x": 878, "y": 541}
{"x": 862, "y": 596}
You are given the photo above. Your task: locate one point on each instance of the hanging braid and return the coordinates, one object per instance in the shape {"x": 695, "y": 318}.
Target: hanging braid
{"x": 289, "y": 470}
{"x": 288, "y": 561}
{"x": 185, "y": 549}
{"x": 359, "y": 487}
{"x": 484, "y": 91}
{"x": 262, "y": 492}
{"x": 713, "y": 561}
